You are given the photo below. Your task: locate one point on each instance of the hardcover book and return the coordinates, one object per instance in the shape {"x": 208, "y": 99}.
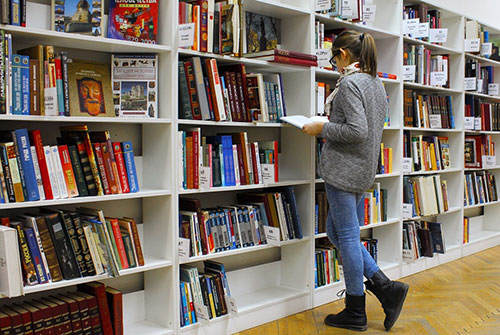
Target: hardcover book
{"x": 133, "y": 20}
{"x": 77, "y": 16}
{"x": 262, "y": 32}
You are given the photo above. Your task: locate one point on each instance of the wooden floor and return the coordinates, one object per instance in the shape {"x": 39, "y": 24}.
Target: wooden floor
{"x": 461, "y": 297}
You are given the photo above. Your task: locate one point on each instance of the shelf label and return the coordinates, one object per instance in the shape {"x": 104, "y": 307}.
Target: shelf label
{"x": 486, "y": 49}
{"x": 422, "y": 30}
{"x": 410, "y": 26}
{"x": 407, "y": 211}
{"x": 477, "y": 123}
{"x": 472, "y": 45}
{"x": 323, "y": 5}
{"x": 438, "y": 35}
{"x": 493, "y": 89}
{"x": 469, "y": 123}
{"x": 346, "y": 9}
{"x": 205, "y": 177}
{"x": 438, "y": 78}
{"x": 268, "y": 173}
{"x": 408, "y": 72}
{"x": 470, "y": 84}
{"x": 369, "y": 13}
{"x": 183, "y": 248}
{"x": 272, "y": 235}
{"x": 324, "y": 56}
{"x": 489, "y": 161}
{"x": 186, "y": 35}
{"x": 50, "y": 100}
{"x": 435, "y": 121}
{"x": 407, "y": 163}
{"x": 231, "y": 304}
{"x": 201, "y": 312}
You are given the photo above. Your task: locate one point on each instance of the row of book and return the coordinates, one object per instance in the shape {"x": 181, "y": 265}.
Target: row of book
{"x": 427, "y": 153}
{"x": 208, "y": 289}
{"x": 57, "y": 244}
{"x": 422, "y": 239}
{"x": 226, "y": 160}
{"x": 40, "y": 81}
{"x": 82, "y": 164}
{"x": 352, "y": 10}
{"x": 384, "y": 160}
{"x": 371, "y": 245}
{"x": 426, "y": 66}
{"x": 466, "y": 227}
{"x": 475, "y": 31}
{"x": 427, "y": 195}
{"x": 487, "y": 114}
{"x": 229, "y": 93}
{"x": 327, "y": 264}
{"x": 480, "y": 187}
{"x": 475, "y": 148}
{"x": 92, "y": 309}
{"x": 428, "y": 110}
{"x": 243, "y": 225}
{"x": 483, "y": 75}
{"x": 432, "y": 17}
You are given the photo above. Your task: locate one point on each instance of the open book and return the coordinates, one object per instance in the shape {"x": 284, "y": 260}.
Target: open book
{"x": 299, "y": 120}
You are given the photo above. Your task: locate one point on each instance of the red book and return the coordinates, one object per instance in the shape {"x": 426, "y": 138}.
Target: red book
{"x": 196, "y": 158}
{"x": 101, "y": 167}
{"x": 98, "y": 290}
{"x": 203, "y": 25}
{"x": 69, "y": 175}
{"x": 62, "y": 319}
{"x": 120, "y": 164}
{"x": 367, "y": 213}
{"x": 95, "y": 319}
{"x": 25, "y": 319}
{"x": 137, "y": 241}
{"x": 5, "y": 324}
{"x": 115, "y": 303}
{"x": 56, "y": 310}
{"x": 114, "y": 184}
{"x": 119, "y": 242}
{"x": 5, "y": 221}
{"x": 36, "y": 140}
{"x": 16, "y": 320}
{"x": 37, "y": 320}
{"x": 189, "y": 162}
{"x": 74, "y": 313}
{"x": 241, "y": 165}
{"x": 255, "y": 171}
{"x": 284, "y": 53}
{"x": 293, "y": 61}
{"x": 49, "y": 315}
{"x": 46, "y": 317}
{"x": 84, "y": 312}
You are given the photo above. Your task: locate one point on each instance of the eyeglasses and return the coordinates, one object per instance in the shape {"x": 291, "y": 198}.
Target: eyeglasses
{"x": 332, "y": 60}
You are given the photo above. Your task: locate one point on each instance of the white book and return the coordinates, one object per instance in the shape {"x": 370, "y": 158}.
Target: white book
{"x": 214, "y": 77}
{"x": 11, "y": 278}
{"x": 320, "y": 99}
{"x": 37, "y": 173}
{"x": 30, "y": 222}
{"x": 94, "y": 253}
{"x": 281, "y": 217}
{"x": 56, "y": 159}
{"x": 300, "y": 121}
{"x": 236, "y": 165}
{"x": 52, "y": 172}
{"x": 210, "y": 30}
{"x": 257, "y": 163}
{"x": 236, "y": 225}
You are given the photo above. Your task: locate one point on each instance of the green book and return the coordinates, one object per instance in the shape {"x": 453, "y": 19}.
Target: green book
{"x": 111, "y": 237}
{"x": 129, "y": 249}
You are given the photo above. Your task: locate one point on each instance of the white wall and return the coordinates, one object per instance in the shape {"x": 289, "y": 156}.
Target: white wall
{"x": 486, "y": 11}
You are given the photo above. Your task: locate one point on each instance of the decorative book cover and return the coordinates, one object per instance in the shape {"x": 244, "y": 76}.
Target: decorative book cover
{"x": 133, "y": 20}
{"x": 90, "y": 89}
{"x": 135, "y": 86}
{"x": 262, "y": 32}
{"x": 77, "y": 16}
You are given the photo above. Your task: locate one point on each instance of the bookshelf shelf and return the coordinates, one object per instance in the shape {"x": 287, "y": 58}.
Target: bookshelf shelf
{"x": 246, "y": 187}
{"x": 267, "y": 297}
{"x": 482, "y": 169}
{"x": 77, "y": 119}
{"x": 440, "y": 130}
{"x": 416, "y": 86}
{"x": 482, "y": 205}
{"x": 484, "y": 60}
{"x": 482, "y": 236}
{"x": 450, "y": 211}
{"x": 146, "y": 327}
{"x": 377, "y": 33}
{"x": 334, "y": 285}
{"x": 199, "y": 324}
{"x": 433, "y": 172}
{"x": 275, "y": 8}
{"x": 380, "y": 224}
{"x": 484, "y": 96}
{"x": 434, "y": 47}
{"x": 230, "y": 124}
{"x": 387, "y": 175}
{"x": 486, "y": 132}
{"x": 320, "y": 235}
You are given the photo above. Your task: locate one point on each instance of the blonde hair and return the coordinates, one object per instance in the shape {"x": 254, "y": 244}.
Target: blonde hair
{"x": 361, "y": 47}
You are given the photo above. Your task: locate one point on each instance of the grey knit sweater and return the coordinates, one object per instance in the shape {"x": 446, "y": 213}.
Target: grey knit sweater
{"x": 349, "y": 158}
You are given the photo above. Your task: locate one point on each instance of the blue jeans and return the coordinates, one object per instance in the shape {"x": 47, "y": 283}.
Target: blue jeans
{"x": 345, "y": 215}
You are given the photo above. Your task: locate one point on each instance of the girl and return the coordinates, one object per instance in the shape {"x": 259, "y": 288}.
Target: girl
{"x": 348, "y": 165}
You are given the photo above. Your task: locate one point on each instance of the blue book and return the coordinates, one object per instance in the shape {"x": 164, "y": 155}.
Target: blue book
{"x": 25, "y": 161}
{"x": 128, "y": 156}
{"x": 25, "y": 84}
{"x": 248, "y": 228}
{"x": 184, "y": 309}
{"x": 316, "y": 223}
{"x": 220, "y": 230}
{"x": 315, "y": 270}
{"x": 241, "y": 227}
{"x": 15, "y": 12}
{"x": 227, "y": 146}
{"x": 35, "y": 255}
{"x": 60, "y": 87}
{"x": 17, "y": 85}
{"x": 289, "y": 193}
{"x": 220, "y": 150}
{"x": 181, "y": 313}
{"x": 230, "y": 230}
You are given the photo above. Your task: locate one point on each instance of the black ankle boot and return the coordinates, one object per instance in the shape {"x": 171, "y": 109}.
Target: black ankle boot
{"x": 353, "y": 317}
{"x": 391, "y": 295}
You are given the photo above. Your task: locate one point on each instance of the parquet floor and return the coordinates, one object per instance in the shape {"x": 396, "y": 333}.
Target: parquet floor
{"x": 458, "y": 298}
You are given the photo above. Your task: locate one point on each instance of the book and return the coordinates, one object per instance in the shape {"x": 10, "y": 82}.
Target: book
{"x": 299, "y": 120}
{"x": 115, "y": 304}
{"x": 262, "y": 32}
{"x": 73, "y": 16}
{"x": 135, "y": 84}
{"x": 28, "y": 267}
{"x": 10, "y": 158}
{"x": 98, "y": 290}
{"x": 69, "y": 175}
{"x": 48, "y": 249}
{"x": 282, "y": 52}
{"x": 36, "y": 256}
{"x": 135, "y": 20}
{"x": 90, "y": 91}
{"x": 120, "y": 164}
{"x": 10, "y": 267}
{"x": 128, "y": 156}
{"x": 25, "y": 161}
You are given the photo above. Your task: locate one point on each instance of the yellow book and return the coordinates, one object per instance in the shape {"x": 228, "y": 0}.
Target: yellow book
{"x": 187, "y": 288}
{"x": 433, "y": 157}
{"x": 14, "y": 171}
{"x": 390, "y": 160}
{"x": 382, "y": 162}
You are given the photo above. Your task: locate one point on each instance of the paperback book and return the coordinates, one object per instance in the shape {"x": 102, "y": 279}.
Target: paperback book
{"x": 133, "y": 20}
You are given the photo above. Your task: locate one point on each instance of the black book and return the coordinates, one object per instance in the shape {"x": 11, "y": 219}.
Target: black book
{"x": 216, "y": 48}
{"x": 64, "y": 68}
{"x": 82, "y": 243}
{"x": 75, "y": 163}
{"x": 184, "y": 102}
{"x": 424, "y": 237}
{"x": 216, "y": 174}
{"x": 6, "y": 174}
{"x": 204, "y": 293}
{"x": 84, "y": 161}
{"x": 62, "y": 245}
{"x": 215, "y": 295}
{"x": 436, "y": 230}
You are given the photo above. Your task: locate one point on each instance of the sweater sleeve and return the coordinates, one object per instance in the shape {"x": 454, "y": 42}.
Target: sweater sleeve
{"x": 355, "y": 128}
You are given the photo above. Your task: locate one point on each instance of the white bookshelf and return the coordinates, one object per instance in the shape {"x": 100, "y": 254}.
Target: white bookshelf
{"x": 270, "y": 281}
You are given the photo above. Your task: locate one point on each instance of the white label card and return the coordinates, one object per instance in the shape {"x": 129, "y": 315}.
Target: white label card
{"x": 347, "y": 10}
{"x": 435, "y": 121}
{"x": 323, "y": 5}
{"x": 186, "y": 35}
{"x": 183, "y": 248}
{"x": 470, "y": 84}
{"x": 201, "y": 312}
{"x": 205, "y": 177}
{"x": 438, "y": 78}
{"x": 472, "y": 45}
{"x": 486, "y": 49}
{"x": 272, "y": 235}
{"x": 407, "y": 211}
{"x": 479, "y": 88}
{"x": 51, "y": 108}
{"x": 410, "y": 27}
{"x": 469, "y": 122}
{"x": 438, "y": 35}
{"x": 477, "y": 123}
{"x": 268, "y": 173}
{"x": 489, "y": 161}
{"x": 408, "y": 72}
{"x": 407, "y": 163}
{"x": 369, "y": 13}
{"x": 324, "y": 56}
{"x": 231, "y": 304}
{"x": 422, "y": 30}
{"x": 493, "y": 89}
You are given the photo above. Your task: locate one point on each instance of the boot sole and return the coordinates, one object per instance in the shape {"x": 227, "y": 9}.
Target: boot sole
{"x": 402, "y": 297}
{"x": 349, "y": 327}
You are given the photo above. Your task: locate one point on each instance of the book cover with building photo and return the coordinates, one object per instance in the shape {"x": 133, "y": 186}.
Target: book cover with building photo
{"x": 77, "y": 16}
{"x": 135, "y": 86}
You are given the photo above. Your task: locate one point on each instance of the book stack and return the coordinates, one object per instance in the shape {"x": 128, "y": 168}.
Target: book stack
{"x": 82, "y": 164}
{"x": 92, "y": 309}
{"x": 385, "y": 160}
{"x": 207, "y": 289}
{"x": 428, "y": 111}
{"x": 60, "y": 244}
{"x": 284, "y": 56}
{"x": 40, "y": 81}
{"x": 428, "y": 195}
{"x": 326, "y": 264}
{"x": 426, "y": 64}
{"x": 229, "y": 93}
{"x": 428, "y": 153}
{"x": 476, "y": 147}
{"x": 375, "y": 205}
{"x": 225, "y": 228}
{"x": 425, "y": 15}
{"x": 226, "y": 160}
{"x": 480, "y": 188}
{"x": 422, "y": 238}
{"x": 487, "y": 112}
{"x": 320, "y": 212}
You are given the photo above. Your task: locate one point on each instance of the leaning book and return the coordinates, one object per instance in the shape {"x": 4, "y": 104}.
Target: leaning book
{"x": 300, "y": 121}
{"x": 78, "y": 16}
{"x": 135, "y": 86}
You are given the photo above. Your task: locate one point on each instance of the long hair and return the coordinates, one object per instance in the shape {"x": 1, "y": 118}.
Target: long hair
{"x": 362, "y": 48}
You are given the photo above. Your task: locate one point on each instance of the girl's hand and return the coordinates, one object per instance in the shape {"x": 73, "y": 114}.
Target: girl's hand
{"x": 313, "y": 129}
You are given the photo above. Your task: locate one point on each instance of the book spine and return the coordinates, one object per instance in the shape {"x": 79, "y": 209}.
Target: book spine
{"x": 17, "y": 86}
{"x": 112, "y": 180}
{"x": 3, "y": 68}
{"x": 184, "y": 101}
{"x": 77, "y": 169}
{"x": 48, "y": 249}
{"x": 14, "y": 172}
{"x": 15, "y": 12}
{"x": 137, "y": 243}
{"x": 82, "y": 242}
{"x": 51, "y": 171}
{"x": 23, "y": 13}
{"x": 33, "y": 84}
{"x": 120, "y": 164}
{"x": 65, "y": 81}
{"x": 5, "y": 12}
{"x": 128, "y": 156}
{"x": 29, "y": 272}
{"x": 193, "y": 95}
{"x": 69, "y": 175}
{"x": 38, "y": 174}
{"x": 102, "y": 168}
{"x": 119, "y": 243}
{"x": 93, "y": 249}
{"x": 294, "y": 61}
{"x": 115, "y": 303}
{"x": 59, "y": 86}
{"x": 204, "y": 26}
{"x": 93, "y": 166}
{"x": 295, "y": 54}
{"x": 61, "y": 183}
{"x": 36, "y": 256}
{"x": 99, "y": 292}
{"x": 25, "y": 160}
{"x": 73, "y": 238}
{"x": 86, "y": 167}
{"x": 94, "y": 316}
